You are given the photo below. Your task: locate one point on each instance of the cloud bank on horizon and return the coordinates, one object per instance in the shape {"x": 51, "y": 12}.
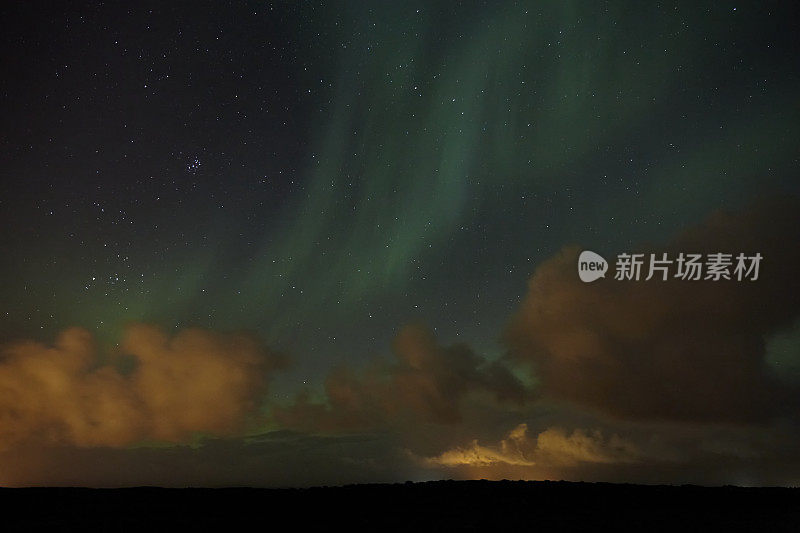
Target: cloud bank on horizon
{"x": 598, "y": 379}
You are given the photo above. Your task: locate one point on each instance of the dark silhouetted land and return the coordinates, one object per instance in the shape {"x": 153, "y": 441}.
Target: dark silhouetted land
{"x": 444, "y": 505}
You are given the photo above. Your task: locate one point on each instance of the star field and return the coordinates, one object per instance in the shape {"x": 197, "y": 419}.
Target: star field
{"x": 323, "y": 173}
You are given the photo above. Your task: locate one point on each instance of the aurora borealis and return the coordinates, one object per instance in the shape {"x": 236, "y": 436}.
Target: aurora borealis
{"x": 346, "y": 230}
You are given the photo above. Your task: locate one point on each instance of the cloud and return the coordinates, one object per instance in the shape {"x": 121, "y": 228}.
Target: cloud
{"x": 671, "y": 350}
{"x": 426, "y": 381}
{"x": 173, "y": 387}
{"x": 514, "y": 450}
{"x": 552, "y": 447}
{"x": 655, "y": 355}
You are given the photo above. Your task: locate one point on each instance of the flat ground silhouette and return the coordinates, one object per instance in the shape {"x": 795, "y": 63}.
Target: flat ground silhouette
{"x": 441, "y": 505}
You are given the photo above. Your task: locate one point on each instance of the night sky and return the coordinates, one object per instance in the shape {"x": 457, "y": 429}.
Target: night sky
{"x": 290, "y": 243}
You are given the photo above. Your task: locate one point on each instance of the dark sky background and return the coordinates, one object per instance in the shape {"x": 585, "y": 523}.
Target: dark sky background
{"x": 367, "y": 205}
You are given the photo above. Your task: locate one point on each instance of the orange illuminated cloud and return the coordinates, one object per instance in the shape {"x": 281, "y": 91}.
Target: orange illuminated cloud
{"x": 552, "y": 447}
{"x": 195, "y": 381}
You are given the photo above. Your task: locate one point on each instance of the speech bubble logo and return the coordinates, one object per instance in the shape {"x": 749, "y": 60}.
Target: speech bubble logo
{"x": 591, "y": 266}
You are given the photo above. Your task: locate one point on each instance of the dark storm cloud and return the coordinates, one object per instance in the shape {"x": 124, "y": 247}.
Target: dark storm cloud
{"x": 426, "y": 381}
{"x": 69, "y": 394}
{"x": 680, "y": 350}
